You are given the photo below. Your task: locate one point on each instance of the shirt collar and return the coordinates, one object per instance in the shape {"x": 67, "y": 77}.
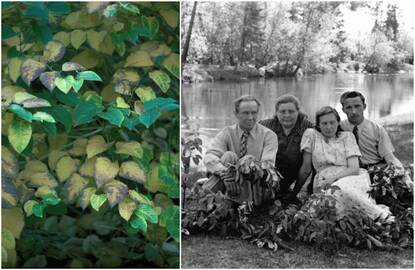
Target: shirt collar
{"x": 252, "y": 132}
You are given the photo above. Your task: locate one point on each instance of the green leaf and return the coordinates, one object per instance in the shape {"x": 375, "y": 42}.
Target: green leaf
{"x": 138, "y": 197}
{"x": 42, "y": 116}
{"x": 161, "y": 79}
{"x": 28, "y": 207}
{"x": 126, "y": 208}
{"x": 113, "y": 115}
{"x": 110, "y": 11}
{"x": 51, "y": 199}
{"x": 138, "y": 222}
{"x": 85, "y": 197}
{"x": 88, "y": 76}
{"x": 37, "y": 10}
{"x": 149, "y": 27}
{"x": 131, "y": 122}
{"x": 119, "y": 44}
{"x": 43, "y": 31}
{"x": 7, "y": 239}
{"x": 21, "y": 112}
{"x": 147, "y": 211}
{"x": 70, "y": 99}
{"x": 78, "y": 84}
{"x": 7, "y": 32}
{"x": 97, "y": 201}
{"x": 58, "y": 7}
{"x": 170, "y": 218}
{"x": 38, "y": 209}
{"x": 20, "y": 133}
{"x": 148, "y": 117}
{"x": 65, "y": 84}
{"x": 85, "y": 112}
{"x": 38, "y": 261}
{"x": 130, "y": 7}
{"x": 159, "y": 103}
{"x": 61, "y": 115}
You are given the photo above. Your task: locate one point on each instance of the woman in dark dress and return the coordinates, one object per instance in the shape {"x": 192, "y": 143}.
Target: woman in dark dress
{"x": 289, "y": 124}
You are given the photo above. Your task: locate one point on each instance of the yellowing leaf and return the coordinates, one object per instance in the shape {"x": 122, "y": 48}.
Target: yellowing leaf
{"x": 123, "y": 87}
{"x": 126, "y": 208}
{"x": 96, "y": 145}
{"x": 14, "y": 68}
{"x": 48, "y": 79}
{"x": 8, "y": 92}
{"x": 44, "y": 190}
{"x": 80, "y": 19}
{"x": 30, "y": 70}
{"x": 127, "y": 75}
{"x": 121, "y": 103}
{"x": 9, "y": 163}
{"x": 87, "y": 169}
{"x": 153, "y": 184}
{"x": 138, "y": 107}
{"x": 133, "y": 149}
{"x": 74, "y": 186}
{"x": 115, "y": 191}
{"x": 30, "y": 101}
{"x": 163, "y": 49}
{"x": 95, "y": 6}
{"x": 172, "y": 64}
{"x": 53, "y": 158}
{"x": 138, "y": 197}
{"x": 85, "y": 197}
{"x": 161, "y": 79}
{"x": 79, "y": 147}
{"x": 35, "y": 166}
{"x": 62, "y": 37}
{"x": 105, "y": 170}
{"x": 28, "y": 207}
{"x": 171, "y": 16}
{"x": 132, "y": 171}
{"x": 87, "y": 58}
{"x": 106, "y": 46}
{"x": 12, "y": 219}
{"x": 108, "y": 94}
{"x": 78, "y": 37}
{"x": 65, "y": 167}
{"x": 54, "y": 51}
{"x": 95, "y": 38}
{"x": 145, "y": 93}
{"x": 139, "y": 59}
{"x": 20, "y": 132}
{"x": 39, "y": 179}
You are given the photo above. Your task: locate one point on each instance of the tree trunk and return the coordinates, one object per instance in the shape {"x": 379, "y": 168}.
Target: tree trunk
{"x": 189, "y": 34}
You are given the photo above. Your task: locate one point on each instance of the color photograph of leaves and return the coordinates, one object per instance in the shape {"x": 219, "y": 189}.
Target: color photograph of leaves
{"x": 90, "y": 134}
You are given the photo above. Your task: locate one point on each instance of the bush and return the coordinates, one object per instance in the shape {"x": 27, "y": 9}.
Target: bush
{"x": 90, "y": 134}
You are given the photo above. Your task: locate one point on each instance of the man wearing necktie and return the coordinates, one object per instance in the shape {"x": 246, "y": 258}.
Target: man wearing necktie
{"x": 373, "y": 140}
{"x": 242, "y": 142}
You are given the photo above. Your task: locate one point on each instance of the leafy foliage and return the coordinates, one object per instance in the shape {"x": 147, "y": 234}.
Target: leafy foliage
{"x": 79, "y": 143}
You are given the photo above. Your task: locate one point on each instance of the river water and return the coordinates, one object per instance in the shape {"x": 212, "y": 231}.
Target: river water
{"x": 208, "y": 107}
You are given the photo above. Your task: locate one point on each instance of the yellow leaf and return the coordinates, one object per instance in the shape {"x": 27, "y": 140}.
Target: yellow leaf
{"x": 118, "y": 26}
{"x": 54, "y": 157}
{"x": 132, "y": 171}
{"x": 79, "y": 147}
{"x": 60, "y": 141}
{"x": 108, "y": 94}
{"x": 123, "y": 87}
{"x": 87, "y": 58}
{"x": 95, "y": 38}
{"x": 95, "y": 6}
{"x": 39, "y": 179}
{"x": 81, "y": 19}
{"x": 8, "y": 92}
{"x": 121, "y": 103}
{"x": 133, "y": 149}
{"x": 62, "y": 37}
{"x": 138, "y": 107}
{"x": 139, "y": 59}
{"x": 153, "y": 184}
{"x": 115, "y": 191}
{"x": 171, "y": 16}
{"x": 78, "y": 37}
{"x": 87, "y": 169}
{"x": 172, "y": 64}
{"x": 105, "y": 170}
{"x": 14, "y": 68}
{"x": 43, "y": 190}
{"x": 106, "y": 46}
{"x": 28, "y": 207}
{"x": 74, "y": 186}
{"x": 8, "y": 198}
{"x": 54, "y": 51}
{"x": 6, "y": 122}
{"x": 145, "y": 93}
{"x": 12, "y": 219}
{"x": 86, "y": 196}
{"x": 155, "y": 48}
{"x": 96, "y": 145}
{"x": 65, "y": 167}
{"x": 36, "y": 166}
{"x": 126, "y": 75}
{"x": 138, "y": 197}
{"x": 9, "y": 163}
{"x": 126, "y": 208}
{"x": 163, "y": 49}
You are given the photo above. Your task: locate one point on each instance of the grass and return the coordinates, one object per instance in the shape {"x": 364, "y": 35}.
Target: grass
{"x": 207, "y": 251}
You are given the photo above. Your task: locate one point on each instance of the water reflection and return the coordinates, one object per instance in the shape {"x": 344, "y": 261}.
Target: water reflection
{"x": 207, "y": 107}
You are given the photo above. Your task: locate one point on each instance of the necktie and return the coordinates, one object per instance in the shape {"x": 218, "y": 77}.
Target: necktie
{"x": 356, "y": 135}
{"x": 244, "y": 140}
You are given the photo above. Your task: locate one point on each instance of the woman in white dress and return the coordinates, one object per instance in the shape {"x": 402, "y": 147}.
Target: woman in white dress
{"x": 334, "y": 154}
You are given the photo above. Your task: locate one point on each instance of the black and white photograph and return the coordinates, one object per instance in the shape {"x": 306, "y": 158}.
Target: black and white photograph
{"x": 297, "y": 134}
